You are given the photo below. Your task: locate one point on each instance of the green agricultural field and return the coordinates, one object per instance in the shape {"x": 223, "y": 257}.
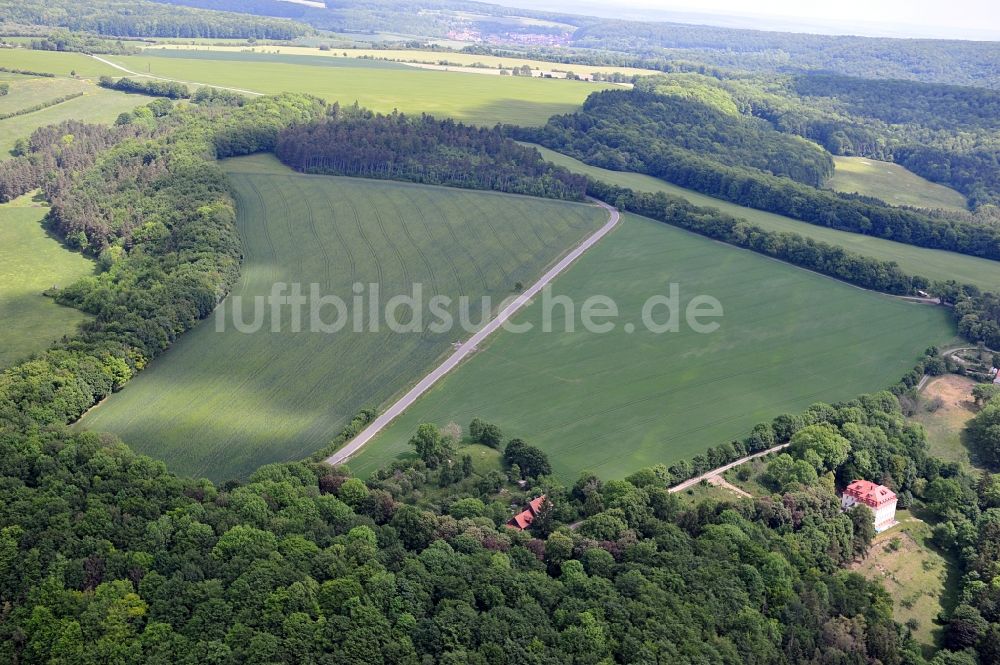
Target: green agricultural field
{"x": 222, "y": 404}
{"x": 427, "y": 57}
{"x": 931, "y": 263}
{"x": 616, "y": 402}
{"x": 31, "y": 261}
{"x": 472, "y": 98}
{"x": 60, "y": 63}
{"x": 28, "y": 91}
{"x": 892, "y": 183}
{"x": 96, "y": 105}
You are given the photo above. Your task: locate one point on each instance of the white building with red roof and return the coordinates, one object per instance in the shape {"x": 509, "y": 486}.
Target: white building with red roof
{"x": 879, "y": 498}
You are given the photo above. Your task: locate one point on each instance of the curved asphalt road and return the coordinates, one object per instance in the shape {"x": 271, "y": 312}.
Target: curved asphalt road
{"x": 469, "y": 345}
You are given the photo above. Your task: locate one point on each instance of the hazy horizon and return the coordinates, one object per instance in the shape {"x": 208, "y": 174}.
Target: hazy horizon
{"x": 962, "y": 19}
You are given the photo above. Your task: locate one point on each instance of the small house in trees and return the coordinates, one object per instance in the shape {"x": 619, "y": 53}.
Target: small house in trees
{"x": 523, "y": 519}
{"x": 879, "y": 498}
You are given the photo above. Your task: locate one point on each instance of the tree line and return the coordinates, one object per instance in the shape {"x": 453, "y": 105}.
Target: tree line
{"x": 356, "y": 142}
{"x": 832, "y": 260}
{"x": 37, "y": 107}
{"x": 612, "y": 134}
{"x": 976, "y": 313}
{"x": 152, "y": 87}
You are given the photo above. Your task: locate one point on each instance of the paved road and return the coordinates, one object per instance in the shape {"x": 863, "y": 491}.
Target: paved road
{"x": 469, "y": 345}
{"x": 722, "y": 469}
{"x": 163, "y": 78}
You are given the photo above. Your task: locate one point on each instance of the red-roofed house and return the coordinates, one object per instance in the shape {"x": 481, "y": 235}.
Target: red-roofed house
{"x": 523, "y": 520}
{"x": 879, "y": 498}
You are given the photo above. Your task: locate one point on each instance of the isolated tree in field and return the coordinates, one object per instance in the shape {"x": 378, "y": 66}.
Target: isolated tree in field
{"x": 821, "y": 445}
{"x": 431, "y": 447}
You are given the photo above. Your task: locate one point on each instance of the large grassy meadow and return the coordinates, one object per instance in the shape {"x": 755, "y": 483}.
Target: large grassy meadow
{"x": 221, "y": 404}
{"x": 931, "y": 263}
{"x": 31, "y": 261}
{"x": 619, "y": 401}
{"x": 892, "y": 183}
{"x": 380, "y": 86}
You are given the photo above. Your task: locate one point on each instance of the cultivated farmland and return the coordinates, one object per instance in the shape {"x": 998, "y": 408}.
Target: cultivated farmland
{"x": 487, "y": 62}
{"x": 931, "y": 263}
{"x": 96, "y": 105}
{"x": 380, "y": 86}
{"x": 30, "y": 262}
{"x": 615, "y": 402}
{"x": 222, "y": 404}
{"x": 892, "y": 183}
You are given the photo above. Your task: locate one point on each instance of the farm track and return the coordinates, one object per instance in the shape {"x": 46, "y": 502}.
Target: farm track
{"x": 470, "y": 345}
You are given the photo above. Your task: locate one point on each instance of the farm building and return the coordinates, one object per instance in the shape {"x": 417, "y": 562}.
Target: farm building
{"x": 523, "y": 519}
{"x": 879, "y": 498}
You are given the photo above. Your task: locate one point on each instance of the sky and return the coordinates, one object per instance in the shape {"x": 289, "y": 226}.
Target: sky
{"x": 957, "y": 19}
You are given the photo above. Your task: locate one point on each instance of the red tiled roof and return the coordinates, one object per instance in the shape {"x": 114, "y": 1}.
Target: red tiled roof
{"x": 524, "y": 519}
{"x": 521, "y": 520}
{"x": 870, "y": 493}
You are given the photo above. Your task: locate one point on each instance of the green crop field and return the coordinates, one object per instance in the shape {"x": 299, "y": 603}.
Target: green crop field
{"x": 931, "y": 263}
{"x": 472, "y": 98}
{"x": 28, "y": 91}
{"x": 96, "y": 105}
{"x": 222, "y": 404}
{"x": 30, "y": 262}
{"x": 429, "y": 57}
{"x": 619, "y": 401}
{"x": 892, "y": 183}
{"x": 60, "y": 63}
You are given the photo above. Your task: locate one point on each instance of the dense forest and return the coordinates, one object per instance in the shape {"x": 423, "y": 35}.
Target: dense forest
{"x": 683, "y": 122}
{"x": 947, "y": 134}
{"x": 141, "y": 18}
{"x": 356, "y": 142}
{"x": 104, "y": 557}
{"x": 935, "y": 61}
{"x": 612, "y": 133}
